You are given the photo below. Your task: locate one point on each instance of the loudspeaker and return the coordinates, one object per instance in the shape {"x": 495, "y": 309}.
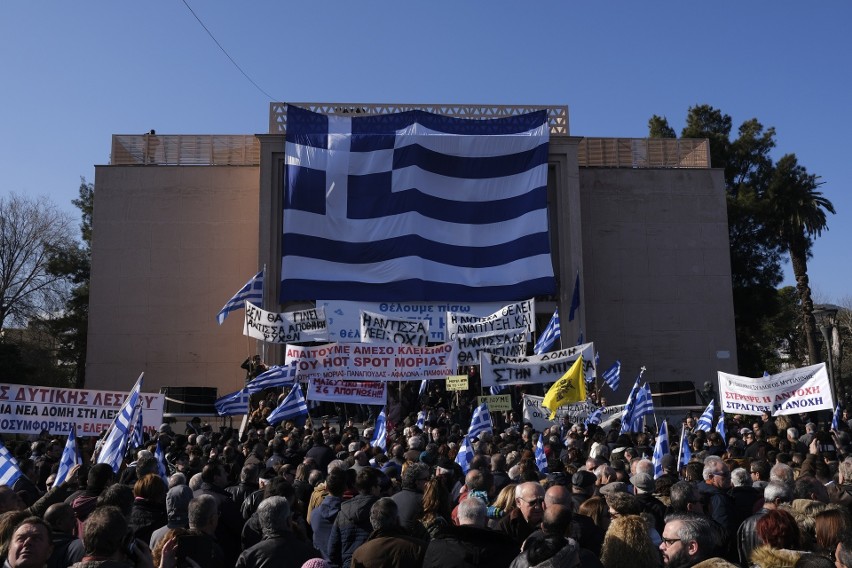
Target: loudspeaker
{"x": 195, "y": 401}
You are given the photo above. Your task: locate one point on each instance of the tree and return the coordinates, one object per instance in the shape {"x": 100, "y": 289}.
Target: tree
{"x": 73, "y": 263}
{"x": 30, "y": 228}
{"x": 798, "y": 214}
{"x": 658, "y": 127}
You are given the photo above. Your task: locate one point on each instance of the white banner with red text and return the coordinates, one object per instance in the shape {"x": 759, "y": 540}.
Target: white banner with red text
{"x": 355, "y": 392}
{"x": 792, "y": 392}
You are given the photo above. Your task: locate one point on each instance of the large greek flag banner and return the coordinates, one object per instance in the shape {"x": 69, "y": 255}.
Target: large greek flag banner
{"x": 415, "y": 206}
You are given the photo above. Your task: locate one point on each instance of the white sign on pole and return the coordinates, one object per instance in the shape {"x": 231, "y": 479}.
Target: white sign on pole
{"x": 286, "y": 327}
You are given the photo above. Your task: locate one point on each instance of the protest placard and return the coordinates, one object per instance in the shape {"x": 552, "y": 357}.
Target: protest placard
{"x": 339, "y": 390}
{"x": 372, "y": 361}
{"x": 511, "y": 316}
{"x": 286, "y": 327}
{"x": 457, "y": 383}
{"x": 511, "y": 343}
{"x": 496, "y": 402}
{"x": 376, "y": 328}
{"x": 31, "y": 409}
{"x": 799, "y": 390}
{"x": 498, "y": 370}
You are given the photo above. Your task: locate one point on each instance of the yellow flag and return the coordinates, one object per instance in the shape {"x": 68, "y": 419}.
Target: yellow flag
{"x": 570, "y": 388}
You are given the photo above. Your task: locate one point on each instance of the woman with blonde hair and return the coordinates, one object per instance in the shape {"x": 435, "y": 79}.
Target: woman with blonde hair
{"x": 502, "y": 505}
{"x": 627, "y": 544}
{"x": 436, "y": 511}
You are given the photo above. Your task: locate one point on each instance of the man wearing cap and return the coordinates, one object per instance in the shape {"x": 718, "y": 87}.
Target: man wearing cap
{"x": 177, "y": 512}
{"x": 643, "y": 489}
{"x": 582, "y": 488}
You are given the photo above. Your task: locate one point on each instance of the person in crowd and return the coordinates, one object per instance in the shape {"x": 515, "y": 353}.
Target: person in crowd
{"x": 322, "y": 517}
{"x": 31, "y": 544}
{"x": 214, "y": 479}
{"x": 627, "y": 544}
{"x": 249, "y": 475}
{"x": 781, "y": 539}
{"x": 149, "y": 506}
{"x": 551, "y": 547}
{"x": 528, "y": 512}
{"x": 389, "y": 545}
{"x": 409, "y": 499}
{"x": 775, "y": 495}
{"x": 67, "y": 548}
{"x": 352, "y": 526}
{"x": 279, "y": 547}
{"x": 691, "y": 540}
{"x": 110, "y": 544}
{"x": 177, "y": 512}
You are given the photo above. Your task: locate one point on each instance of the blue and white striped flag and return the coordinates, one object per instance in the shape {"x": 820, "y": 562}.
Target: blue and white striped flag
{"x": 685, "y": 450}
{"x": 835, "y": 419}
{"x": 233, "y": 404}
{"x": 705, "y": 421}
{"x": 115, "y": 443}
{"x": 276, "y": 376}
{"x": 627, "y": 413}
{"x": 421, "y": 419}
{"x": 413, "y": 178}
{"x": 252, "y": 292}
{"x": 137, "y": 429}
{"x": 548, "y": 337}
{"x": 612, "y": 376}
{"x": 720, "y": 428}
{"x": 293, "y": 406}
{"x": 380, "y": 432}
{"x": 644, "y": 406}
{"x": 70, "y": 457}
{"x": 580, "y": 338}
{"x": 596, "y": 416}
{"x": 424, "y": 386}
{"x": 661, "y": 448}
{"x": 540, "y": 456}
{"x": 162, "y": 468}
{"x": 465, "y": 455}
{"x": 9, "y": 469}
{"x": 480, "y": 422}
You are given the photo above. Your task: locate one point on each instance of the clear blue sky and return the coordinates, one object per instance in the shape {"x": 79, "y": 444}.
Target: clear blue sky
{"x": 74, "y": 73}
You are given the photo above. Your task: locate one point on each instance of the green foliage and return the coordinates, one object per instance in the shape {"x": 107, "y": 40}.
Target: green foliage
{"x": 658, "y": 127}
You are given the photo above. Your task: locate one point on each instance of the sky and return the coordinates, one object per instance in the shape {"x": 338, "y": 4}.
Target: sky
{"x": 75, "y": 73}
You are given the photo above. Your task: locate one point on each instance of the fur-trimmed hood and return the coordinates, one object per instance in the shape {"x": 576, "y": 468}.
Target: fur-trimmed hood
{"x": 768, "y": 557}
{"x": 715, "y": 562}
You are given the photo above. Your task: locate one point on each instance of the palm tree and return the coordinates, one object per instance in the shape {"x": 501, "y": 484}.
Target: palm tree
{"x": 798, "y": 211}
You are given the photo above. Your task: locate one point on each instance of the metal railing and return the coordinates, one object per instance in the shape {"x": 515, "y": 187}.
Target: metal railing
{"x": 185, "y": 150}
{"x": 644, "y": 153}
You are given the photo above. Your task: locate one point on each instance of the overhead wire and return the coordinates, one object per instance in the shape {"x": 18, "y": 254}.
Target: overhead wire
{"x": 231, "y": 59}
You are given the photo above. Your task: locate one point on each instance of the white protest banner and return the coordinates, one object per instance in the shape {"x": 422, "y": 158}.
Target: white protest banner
{"x": 791, "y": 392}
{"x": 373, "y": 361}
{"x": 496, "y": 402}
{"x": 511, "y": 316}
{"x": 344, "y": 323}
{"x": 30, "y": 409}
{"x": 576, "y": 413}
{"x": 376, "y": 328}
{"x": 457, "y": 383}
{"x": 497, "y": 370}
{"x": 356, "y": 392}
{"x": 272, "y": 327}
{"x": 511, "y": 343}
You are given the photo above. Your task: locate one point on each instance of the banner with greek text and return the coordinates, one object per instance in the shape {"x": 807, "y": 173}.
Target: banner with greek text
{"x": 298, "y": 326}
{"x": 511, "y": 316}
{"x": 577, "y": 413}
{"x": 791, "y": 392}
{"x": 511, "y": 343}
{"x": 29, "y": 410}
{"x": 356, "y": 392}
{"x": 497, "y": 370}
{"x": 344, "y": 324}
{"x": 376, "y": 328}
{"x": 373, "y": 361}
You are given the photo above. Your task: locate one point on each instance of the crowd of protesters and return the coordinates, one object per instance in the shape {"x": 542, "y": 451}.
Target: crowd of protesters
{"x": 776, "y": 493}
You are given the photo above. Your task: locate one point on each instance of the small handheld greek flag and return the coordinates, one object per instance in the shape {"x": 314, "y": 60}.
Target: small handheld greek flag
{"x": 70, "y": 457}
{"x": 465, "y": 455}
{"x": 293, "y": 406}
{"x": 540, "y": 456}
{"x": 276, "y": 376}
{"x": 685, "y": 450}
{"x": 705, "y": 421}
{"x": 115, "y": 443}
{"x": 835, "y": 420}
{"x": 9, "y": 469}
{"x": 252, "y": 292}
{"x": 612, "y": 376}
{"x": 380, "y": 433}
{"x": 480, "y": 421}
{"x": 720, "y": 428}
{"x": 233, "y": 404}
{"x": 549, "y": 336}
{"x": 661, "y": 448}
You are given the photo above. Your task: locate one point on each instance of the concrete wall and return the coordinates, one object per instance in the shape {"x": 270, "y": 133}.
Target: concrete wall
{"x": 170, "y": 246}
{"x": 657, "y": 275}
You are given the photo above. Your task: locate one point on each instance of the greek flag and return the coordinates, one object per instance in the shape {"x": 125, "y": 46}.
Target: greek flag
{"x": 595, "y": 417}
{"x": 415, "y": 206}
{"x": 421, "y": 419}
{"x": 480, "y": 422}
{"x": 540, "y": 456}
{"x": 465, "y": 455}
{"x": 644, "y": 406}
{"x": 612, "y": 376}
{"x": 548, "y": 337}
{"x": 627, "y": 414}
{"x": 835, "y": 420}
{"x": 380, "y": 433}
{"x": 233, "y": 404}
{"x": 705, "y": 422}
{"x": 575, "y": 298}
{"x": 115, "y": 443}
{"x": 9, "y": 470}
{"x": 70, "y": 457}
{"x": 162, "y": 468}
{"x": 720, "y": 428}
{"x": 685, "y": 450}
{"x": 252, "y": 292}
{"x": 276, "y": 376}
{"x": 293, "y": 406}
{"x": 424, "y": 386}
{"x": 661, "y": 448}
{"x": 137, "y": 430}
